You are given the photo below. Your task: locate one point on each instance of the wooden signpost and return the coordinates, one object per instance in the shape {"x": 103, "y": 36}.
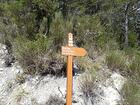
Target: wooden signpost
{"x": 71, "y": 51}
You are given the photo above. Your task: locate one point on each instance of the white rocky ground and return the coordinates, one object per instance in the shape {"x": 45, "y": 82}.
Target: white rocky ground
{"x": 37, "y": 90}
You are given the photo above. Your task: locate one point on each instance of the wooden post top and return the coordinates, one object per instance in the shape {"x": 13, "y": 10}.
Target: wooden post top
{"x": 70, "y": 39}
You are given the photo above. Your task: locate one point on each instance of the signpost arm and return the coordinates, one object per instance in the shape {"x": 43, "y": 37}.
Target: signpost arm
{"x": 69, "y": 73}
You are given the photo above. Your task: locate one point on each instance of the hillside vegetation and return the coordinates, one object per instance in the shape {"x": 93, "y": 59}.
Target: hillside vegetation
{"x": 35, "y": 30}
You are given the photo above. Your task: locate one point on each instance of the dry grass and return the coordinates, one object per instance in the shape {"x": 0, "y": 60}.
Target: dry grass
{"x": 116, "y": 60}
{"x": 55, "y": 100}
{"x": 131, "y": 93}
{"x": 134, "y": 67}
{"x": 87, "y": 85}
{"x": 128, "y": 64}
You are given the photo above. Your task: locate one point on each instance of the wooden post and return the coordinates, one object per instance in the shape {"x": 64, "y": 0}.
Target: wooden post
{"x": 69, "y": 72}
{"x": 71, "y": 51}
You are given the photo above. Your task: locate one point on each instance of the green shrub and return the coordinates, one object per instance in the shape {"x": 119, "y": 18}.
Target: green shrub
{"x": 20, "y": 15}
{"x": 116, "y": 60}
{"x": 8, "y": 30}
{"x": 59, "y": 31}
{"x": 89, "y": 34}
{"x": 134, "y": 67}
{"x": 132, "y": 39}
{"x": 32, "y": 55}
{"x": 37, "y": 57}
{"x": 131, "y": 52}
{"x": 131, "y": 93}
{"x": 111, "y": 45}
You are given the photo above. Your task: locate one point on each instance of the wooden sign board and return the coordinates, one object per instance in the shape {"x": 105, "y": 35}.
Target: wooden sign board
{"x": 66, "y": 50}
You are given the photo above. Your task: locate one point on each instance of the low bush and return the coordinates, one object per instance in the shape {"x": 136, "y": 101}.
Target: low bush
{"x": 86, "y": 64}
{"x": 87, "y": 85}
{"x": 55, "y": 100}
{"x": 128, "y": 65}
{"x": 134, "y": 67}
{"x": 87, "y": 33}
{"x": 131, "y": 93}
{"x": 126, "y": 62}
{"x": 116, "y": 60}
{"x": 35, "y": 56}
{"x": 59, "y": 30}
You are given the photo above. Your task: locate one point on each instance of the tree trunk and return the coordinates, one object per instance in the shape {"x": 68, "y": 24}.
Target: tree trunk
{"x": 49, "y": 21}
{"x": 138, "y": 23}
{"x": 126, "y": 25}
{"x": 64, "y": 9}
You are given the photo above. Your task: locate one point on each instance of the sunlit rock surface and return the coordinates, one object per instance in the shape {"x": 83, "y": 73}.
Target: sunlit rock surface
{"x": 109, "y": 92}
{"x": 37, "y": 90}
